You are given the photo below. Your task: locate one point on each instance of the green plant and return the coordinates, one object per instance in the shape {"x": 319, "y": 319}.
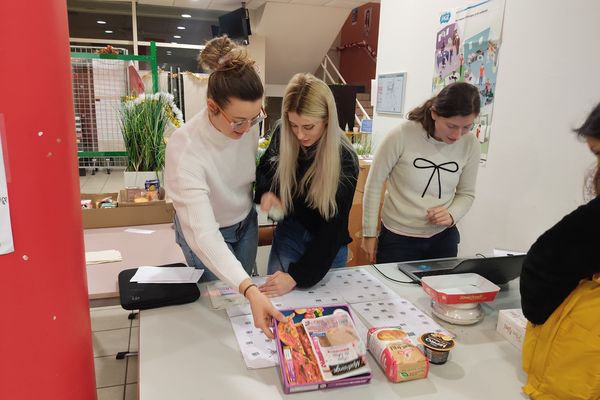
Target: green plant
{"x": 144, "y": 120}
{"x": 362, "y": 144}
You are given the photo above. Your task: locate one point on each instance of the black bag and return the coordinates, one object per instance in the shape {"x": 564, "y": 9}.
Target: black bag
{"x": 142, "y": 296}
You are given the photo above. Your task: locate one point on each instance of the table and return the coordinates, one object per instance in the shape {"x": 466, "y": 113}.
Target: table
{"x": 190, "y": 352}
{"x": 137, "y": 249}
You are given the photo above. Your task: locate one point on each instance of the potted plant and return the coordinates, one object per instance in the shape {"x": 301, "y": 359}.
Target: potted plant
{"x": 144, "y": 121}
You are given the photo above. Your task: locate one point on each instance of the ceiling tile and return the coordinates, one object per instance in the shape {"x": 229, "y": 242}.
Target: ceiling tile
{"x": 345, "y": 3}
{"x": 201, "y": 4}
{"x": 310, "y": 2}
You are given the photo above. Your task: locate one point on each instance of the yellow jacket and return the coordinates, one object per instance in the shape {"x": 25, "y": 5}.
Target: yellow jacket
{"x": 562, "y": 356}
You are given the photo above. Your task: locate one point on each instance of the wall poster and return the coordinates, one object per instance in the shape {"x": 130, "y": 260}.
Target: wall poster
{"x": 390, "y": 93}
{"x": 467, "y": 46}
{"x": 6, "y": 240}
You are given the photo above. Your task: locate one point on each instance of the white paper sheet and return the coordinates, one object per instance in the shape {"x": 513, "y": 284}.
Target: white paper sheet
{"x": 505, "y": 252}
{"x": 357, "y": 285}
{"x": 398, "y": 312}
{"x": 104, "y": 256}
{"x": 167, "y": 275}
{"x": 140, "y": 231}
{"x": 258, "y": 350}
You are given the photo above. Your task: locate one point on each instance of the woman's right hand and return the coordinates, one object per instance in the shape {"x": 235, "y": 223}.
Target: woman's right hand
{"x": 263, "y": 310}
{"x": 269, "y": 200}
{"x": 369, "y": 245}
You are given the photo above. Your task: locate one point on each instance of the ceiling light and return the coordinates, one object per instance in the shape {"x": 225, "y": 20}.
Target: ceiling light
{"x": 101, "y": 22}
{"x": 181, "y": 28}
{"x": 108, "y": 31}
{"x": 177, "y": 36}
{"x": 186, "y": 15}
{"x": 173, "y": 42}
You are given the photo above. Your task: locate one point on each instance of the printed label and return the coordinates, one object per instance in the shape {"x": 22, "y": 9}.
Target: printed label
{"x": 6, "y": 239}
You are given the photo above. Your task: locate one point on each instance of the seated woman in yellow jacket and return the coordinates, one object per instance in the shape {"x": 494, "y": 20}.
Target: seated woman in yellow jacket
{"x": 560, "y": 296}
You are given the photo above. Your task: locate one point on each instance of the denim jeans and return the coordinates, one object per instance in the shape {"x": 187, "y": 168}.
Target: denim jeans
{"x": 392, "y": 247}
{"x": 289, "y": 243}
{"x": 241, "y": 238}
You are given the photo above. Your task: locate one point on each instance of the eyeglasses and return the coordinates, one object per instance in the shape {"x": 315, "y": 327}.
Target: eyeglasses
{"x": 247, "y": 123}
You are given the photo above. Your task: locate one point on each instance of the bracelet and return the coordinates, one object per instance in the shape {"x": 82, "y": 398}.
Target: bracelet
{"x": 248, "y": 287}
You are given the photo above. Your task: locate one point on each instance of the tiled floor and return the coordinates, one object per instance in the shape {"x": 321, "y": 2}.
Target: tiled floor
{"x": 102, "y": 182}
{"x": 113, "y": 332}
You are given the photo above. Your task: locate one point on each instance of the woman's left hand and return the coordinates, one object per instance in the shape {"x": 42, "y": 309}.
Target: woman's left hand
{"x": 278, "y": 284}
{"x": 440, "y": 216}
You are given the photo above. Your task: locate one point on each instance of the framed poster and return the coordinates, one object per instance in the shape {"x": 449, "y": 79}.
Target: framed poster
{"x": 390, "y": 93}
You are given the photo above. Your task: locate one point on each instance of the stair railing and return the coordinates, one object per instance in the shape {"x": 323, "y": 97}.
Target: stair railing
{"x": 326, "y": 74}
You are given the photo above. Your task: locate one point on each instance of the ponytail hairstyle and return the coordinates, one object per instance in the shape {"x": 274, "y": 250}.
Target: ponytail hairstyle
{"x": 591, "y": 129}
{"x": 310, "y": 97}
{"x": 456, "y": 99}
{"x": 232, "y": 72}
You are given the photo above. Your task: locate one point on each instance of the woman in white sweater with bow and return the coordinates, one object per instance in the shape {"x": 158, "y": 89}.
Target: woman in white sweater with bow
{"x": 430, "y": 163}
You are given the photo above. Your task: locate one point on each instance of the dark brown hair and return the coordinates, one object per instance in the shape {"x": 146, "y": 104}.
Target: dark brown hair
{"x": 591, "y": 128}
{"x": 232, "y": 72}
{"x": 459, "y": 98}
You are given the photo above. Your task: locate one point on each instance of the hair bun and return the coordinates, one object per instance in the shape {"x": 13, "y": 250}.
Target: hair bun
{"x": 223, "y": 54}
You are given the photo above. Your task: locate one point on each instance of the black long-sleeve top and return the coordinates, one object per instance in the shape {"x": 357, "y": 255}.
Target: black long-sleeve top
{"x": 328, "y": 235}
{"x": 558, "y": 260}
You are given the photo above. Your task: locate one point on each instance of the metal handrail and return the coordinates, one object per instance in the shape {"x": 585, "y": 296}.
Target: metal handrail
{"x": 341, "y": 78}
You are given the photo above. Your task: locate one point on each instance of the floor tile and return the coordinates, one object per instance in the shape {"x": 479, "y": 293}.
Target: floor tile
{"x": 110, "y": 342}
{"x": 107, "y": 318}
{"x": 132, "y": 370}
{"x": 110, "y": 393}
{"x": 109, "y": 371}
{"x": 135, "y": 339}
{"x": 131, "y": 392}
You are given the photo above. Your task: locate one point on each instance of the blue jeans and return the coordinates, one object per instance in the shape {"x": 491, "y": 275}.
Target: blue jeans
{"x": 392, "y": 247}
{"x": 241, "y": 238}
{"x": 289, "y": 243}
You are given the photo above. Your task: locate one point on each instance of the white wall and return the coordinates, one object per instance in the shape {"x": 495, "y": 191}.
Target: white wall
{"x": 548, "y": 80}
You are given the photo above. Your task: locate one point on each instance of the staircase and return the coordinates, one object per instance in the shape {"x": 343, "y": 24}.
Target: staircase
{"x": 365, "y": 101}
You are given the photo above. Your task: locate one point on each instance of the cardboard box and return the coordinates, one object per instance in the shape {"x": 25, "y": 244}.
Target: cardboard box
{"x": 156, "y": 212}
{"x": 511, "y": 325}
{"x": 459, "y": 288}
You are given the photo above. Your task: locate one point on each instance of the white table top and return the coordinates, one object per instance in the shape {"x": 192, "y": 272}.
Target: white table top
{"x": 137, "y": 249}
{"x": 190, "y": 352}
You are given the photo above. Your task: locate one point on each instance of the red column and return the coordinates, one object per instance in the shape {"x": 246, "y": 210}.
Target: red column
{"x": 45, "y": 339}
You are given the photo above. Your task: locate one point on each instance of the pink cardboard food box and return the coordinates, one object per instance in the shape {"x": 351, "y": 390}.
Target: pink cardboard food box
{"x": 303, "y": 349}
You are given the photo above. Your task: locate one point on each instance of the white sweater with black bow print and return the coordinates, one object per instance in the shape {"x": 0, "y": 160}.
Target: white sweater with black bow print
{"x": 421, "y": 173}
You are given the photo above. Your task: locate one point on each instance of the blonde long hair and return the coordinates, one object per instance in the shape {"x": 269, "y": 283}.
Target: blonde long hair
{"x": 309, "y": 96}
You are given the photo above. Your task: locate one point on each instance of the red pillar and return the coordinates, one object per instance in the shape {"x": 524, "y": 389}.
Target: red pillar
{"x": 45, "y": 338}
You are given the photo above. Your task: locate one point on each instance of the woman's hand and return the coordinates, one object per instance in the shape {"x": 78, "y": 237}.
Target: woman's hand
{"x": 262, "y": 309}
{"x": 440, "y": 216}
{"x": 369, "y": 245}
{"x": 269, "y": 200}
{"x": 278, "y": 284}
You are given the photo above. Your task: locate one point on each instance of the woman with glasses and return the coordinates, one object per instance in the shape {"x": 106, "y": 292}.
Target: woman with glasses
{"x": 210, "y": 169}
{"x": 430, "y": 164}
{"x": 309, "y": 174}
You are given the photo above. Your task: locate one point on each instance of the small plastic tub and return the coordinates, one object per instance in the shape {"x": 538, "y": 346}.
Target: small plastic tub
{"x": 436, "y": 347}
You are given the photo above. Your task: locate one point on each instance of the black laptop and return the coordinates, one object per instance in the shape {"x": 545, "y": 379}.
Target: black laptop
{"x": 498, "y": 270}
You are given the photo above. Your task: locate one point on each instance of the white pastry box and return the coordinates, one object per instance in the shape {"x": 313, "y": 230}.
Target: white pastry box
{"x": 511, "y": 325}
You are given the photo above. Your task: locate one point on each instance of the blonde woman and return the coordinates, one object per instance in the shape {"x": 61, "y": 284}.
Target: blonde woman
{"x": 309, "y": 172}
{"x": 210, "y": 169}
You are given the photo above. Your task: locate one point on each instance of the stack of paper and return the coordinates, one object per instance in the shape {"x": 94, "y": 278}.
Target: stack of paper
{"x": 105, "y": 256}
{"x": 167, "y": 275}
